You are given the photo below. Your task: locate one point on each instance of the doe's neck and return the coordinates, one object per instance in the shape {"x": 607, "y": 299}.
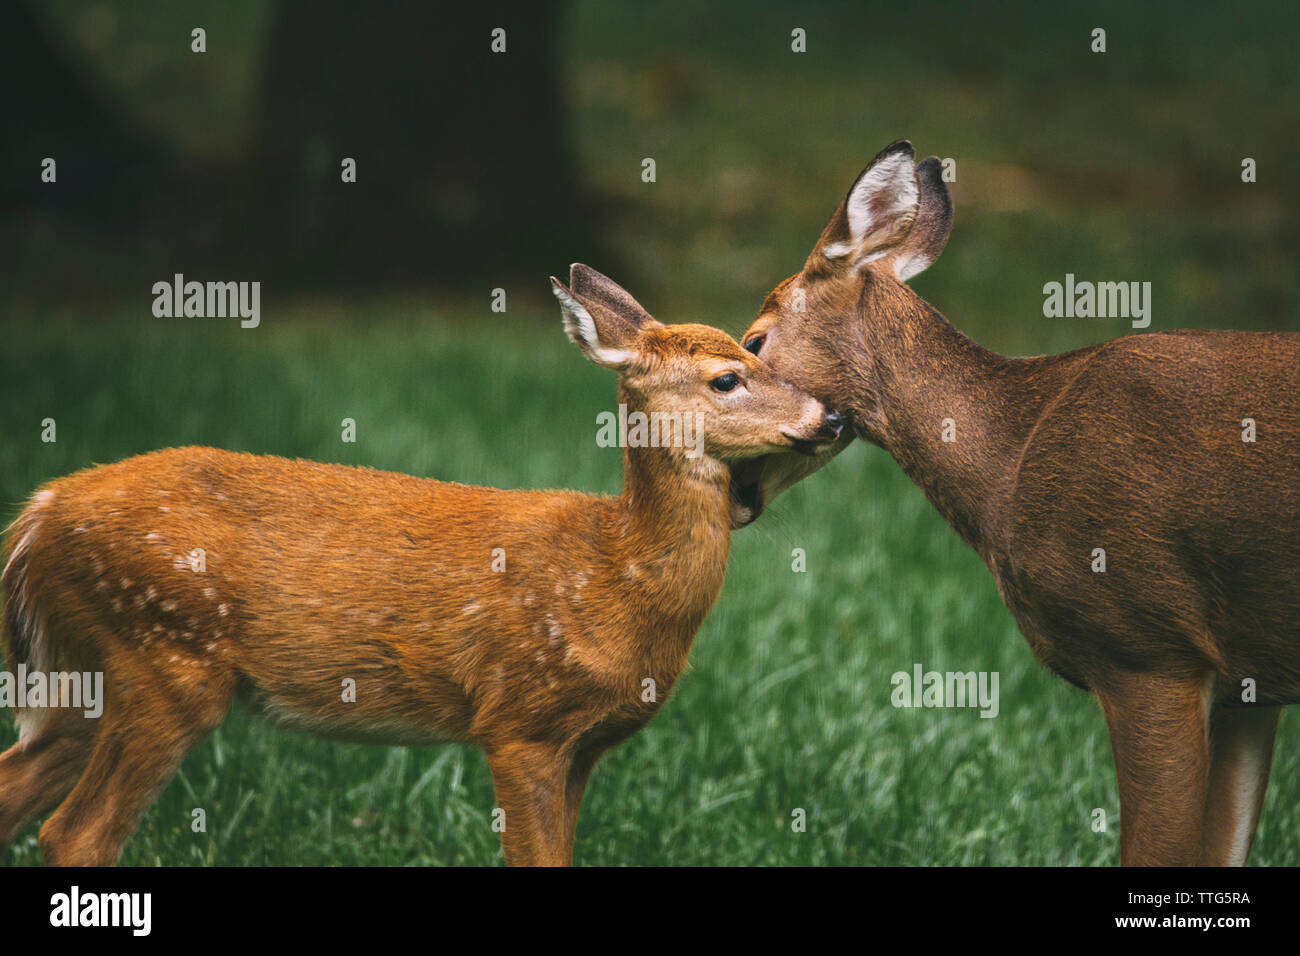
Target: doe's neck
{"x": 954, "y": 415}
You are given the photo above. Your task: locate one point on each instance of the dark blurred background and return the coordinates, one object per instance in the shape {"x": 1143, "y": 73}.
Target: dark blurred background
{"x": 482, "y": 168}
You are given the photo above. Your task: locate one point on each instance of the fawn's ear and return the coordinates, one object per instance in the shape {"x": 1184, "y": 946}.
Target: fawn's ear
{"x": 897, "y": 213}
{"x": 587, "y": 282}
{"x": 601, "y": 317}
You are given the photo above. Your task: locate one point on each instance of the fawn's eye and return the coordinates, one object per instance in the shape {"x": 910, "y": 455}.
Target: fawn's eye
{"x": 755, "y": 345}
{"x": 725, "y": 383}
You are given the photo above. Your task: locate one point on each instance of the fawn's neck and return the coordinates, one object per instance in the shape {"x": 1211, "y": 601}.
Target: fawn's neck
{"x": 674, "y": 526}
{"x": 954, "y": 415}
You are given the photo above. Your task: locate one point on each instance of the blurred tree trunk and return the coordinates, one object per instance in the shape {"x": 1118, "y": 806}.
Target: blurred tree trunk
{"x": 107, "y": 169}
{"x": 462, "y": 163}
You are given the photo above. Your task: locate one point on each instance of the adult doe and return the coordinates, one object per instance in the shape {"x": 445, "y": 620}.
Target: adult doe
{"x": 529, "y": 623}
{"x": 1190, "y": 638}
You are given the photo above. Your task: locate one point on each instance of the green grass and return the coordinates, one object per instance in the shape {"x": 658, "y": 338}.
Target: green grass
{"x": 786, "y": 704}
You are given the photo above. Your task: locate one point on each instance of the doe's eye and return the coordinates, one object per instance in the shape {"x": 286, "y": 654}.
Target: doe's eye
{"x": 755, "y": 345}
{"x": 725, "y": 383}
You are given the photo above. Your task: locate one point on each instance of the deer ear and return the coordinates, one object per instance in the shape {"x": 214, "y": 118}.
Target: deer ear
{"x": 929, "y": 233}
{"x": 605, "y": 336}
{"x": 877, "y": 214}
{"x": 587, "y": 282}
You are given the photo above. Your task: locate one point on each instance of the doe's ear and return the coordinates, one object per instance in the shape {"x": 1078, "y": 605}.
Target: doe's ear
{"x": 897, "y": 212}
{"x": 601, "y": 317}
{"x": 933, "y": 223}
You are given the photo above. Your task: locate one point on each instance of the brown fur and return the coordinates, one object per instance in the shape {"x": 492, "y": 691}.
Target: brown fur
{"x": 1133, "y": 446}
{"x": 316, "y": 573}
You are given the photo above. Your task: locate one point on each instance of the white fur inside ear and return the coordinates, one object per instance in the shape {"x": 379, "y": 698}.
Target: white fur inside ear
{"x": 885, "y": 192}
{"x": 580, "y": 327}
{"x": 907, "y": 266}
{"x": 837, "y": 250}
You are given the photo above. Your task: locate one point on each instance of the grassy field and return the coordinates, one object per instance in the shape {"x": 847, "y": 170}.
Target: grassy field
{"x": 787, "y": 703}
{"x": 1117, "y": 167}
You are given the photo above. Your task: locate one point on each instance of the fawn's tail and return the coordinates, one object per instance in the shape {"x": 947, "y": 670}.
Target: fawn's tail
{"x": 23, "y": 635}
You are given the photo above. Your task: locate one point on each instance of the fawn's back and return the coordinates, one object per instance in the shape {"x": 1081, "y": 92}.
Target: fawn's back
{"x": 434, "y": 597}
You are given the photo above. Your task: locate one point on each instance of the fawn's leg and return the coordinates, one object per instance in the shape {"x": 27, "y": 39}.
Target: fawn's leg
{"x": 1241, "y": 754}
{"x": 574, "y": 787}
{"x": 1159, "y": 731}
{"x": 152, "y": 719}
{"x": 37, "y": 774}
{"x": 530, "y": 788}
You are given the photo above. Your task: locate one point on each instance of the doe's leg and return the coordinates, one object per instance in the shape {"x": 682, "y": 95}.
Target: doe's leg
{"x": 1159, "y": 732}
{"x": 1241, "y": 755}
